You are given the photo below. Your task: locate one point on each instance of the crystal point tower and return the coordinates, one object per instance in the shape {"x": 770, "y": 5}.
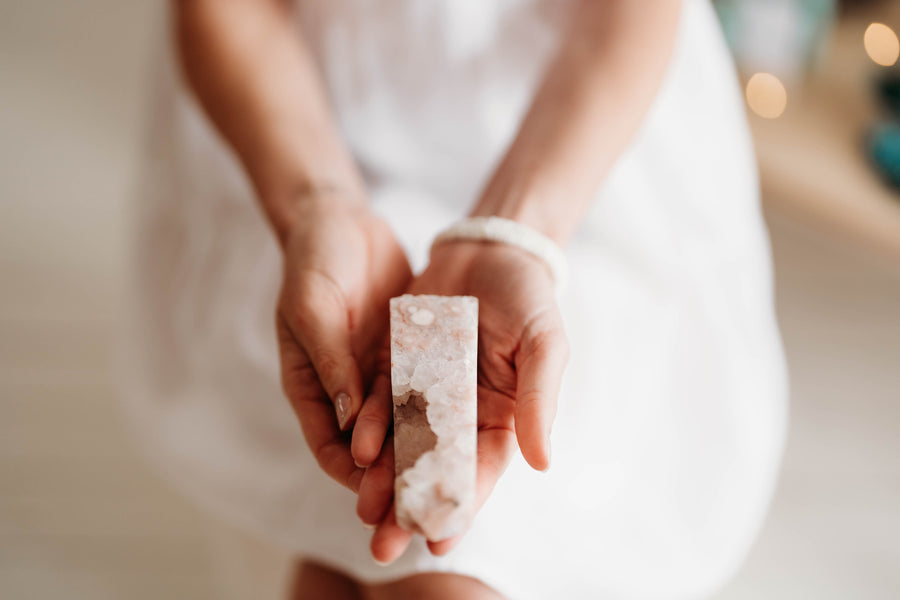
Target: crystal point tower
{"x": 434, "y": 346}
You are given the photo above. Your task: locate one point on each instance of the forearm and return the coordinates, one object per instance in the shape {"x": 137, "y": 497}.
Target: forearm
{"x": 257, "y": 82}
{"x": 590, "y": 104}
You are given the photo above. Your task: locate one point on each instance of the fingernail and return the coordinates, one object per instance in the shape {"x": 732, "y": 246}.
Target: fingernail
{"x": 367, "y": 526}
{"x": 342, "y": 408}
{"x": 381, "y": 563}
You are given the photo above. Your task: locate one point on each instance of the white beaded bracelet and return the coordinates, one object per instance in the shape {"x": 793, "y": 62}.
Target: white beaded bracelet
{"x": 506, "y": 231}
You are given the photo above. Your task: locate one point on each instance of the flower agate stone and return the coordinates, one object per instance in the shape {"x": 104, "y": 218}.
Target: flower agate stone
{"x": 434, "y": 346}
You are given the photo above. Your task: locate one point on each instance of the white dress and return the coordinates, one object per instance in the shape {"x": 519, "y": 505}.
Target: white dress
{"x": 672, "y": 414}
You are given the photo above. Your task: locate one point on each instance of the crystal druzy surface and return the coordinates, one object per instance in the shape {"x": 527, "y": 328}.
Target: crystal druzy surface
{"x": 434, "y": 346}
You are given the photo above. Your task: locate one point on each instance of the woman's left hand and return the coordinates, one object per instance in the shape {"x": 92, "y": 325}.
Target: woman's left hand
{"x": 522, "y": 354}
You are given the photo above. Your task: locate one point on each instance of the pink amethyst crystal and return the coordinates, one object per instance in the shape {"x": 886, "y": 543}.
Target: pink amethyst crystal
{"x": 434, "y": 346}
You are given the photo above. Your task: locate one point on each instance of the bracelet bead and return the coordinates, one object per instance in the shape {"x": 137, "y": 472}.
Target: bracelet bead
{"x": 507, "y": 231}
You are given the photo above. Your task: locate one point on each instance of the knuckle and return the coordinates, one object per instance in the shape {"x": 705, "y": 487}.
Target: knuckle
{"x": 320, "y": 290}
{"x": 327, "y": 454}
{"x": 372, "y": 420}
{"x": 303, "y": 311}
{"x": 545, "y": 343}
{"x": 300, "y": 383}
{"x": 553, "y": 342}
{"x": 529, "y": 398}
{"x": 328, "y": 365}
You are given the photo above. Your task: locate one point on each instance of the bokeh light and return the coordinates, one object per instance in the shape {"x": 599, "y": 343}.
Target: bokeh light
{"x": 881, "y": 44}
{"x": 766, "y": 95}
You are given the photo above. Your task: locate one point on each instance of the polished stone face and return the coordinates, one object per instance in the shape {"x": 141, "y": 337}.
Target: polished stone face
{"x": 434, "y": 346}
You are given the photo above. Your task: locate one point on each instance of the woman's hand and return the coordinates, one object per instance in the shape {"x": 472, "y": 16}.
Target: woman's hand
{"x": 522, "y": 353}
{"x": 341, "y": 266}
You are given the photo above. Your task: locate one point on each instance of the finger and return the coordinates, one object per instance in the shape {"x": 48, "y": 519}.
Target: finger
{"x": 374, "y": 417}
{"x": 540, "y": 363}
{"x": 495, "y": 449}
{"x": 321, "y": 324}
{"x": 390, "y": 540}
{"x": 315, "y": 413}
{"x": 377, "y": 487}
{"x": 369, "y": 332}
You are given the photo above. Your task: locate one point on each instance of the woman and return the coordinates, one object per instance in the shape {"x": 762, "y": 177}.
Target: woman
{"x": 362, "y": 129}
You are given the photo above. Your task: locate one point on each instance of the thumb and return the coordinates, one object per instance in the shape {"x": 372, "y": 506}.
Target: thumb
{"x": 540, "y": 363}
{"x": 321, "y": 324}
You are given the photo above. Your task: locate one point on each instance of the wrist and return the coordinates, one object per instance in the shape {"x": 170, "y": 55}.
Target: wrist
{"x": 532, "y": 205}
{"x": 310, "y": 201}
{"x": 508, "y": 234}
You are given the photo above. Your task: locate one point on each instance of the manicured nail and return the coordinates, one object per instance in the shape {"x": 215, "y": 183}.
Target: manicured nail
{"x": 342, "y": 408}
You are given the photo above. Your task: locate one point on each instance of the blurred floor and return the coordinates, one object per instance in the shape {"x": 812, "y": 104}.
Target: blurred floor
{"x": 835, "y": 524}
{"x": 81, "y": 517}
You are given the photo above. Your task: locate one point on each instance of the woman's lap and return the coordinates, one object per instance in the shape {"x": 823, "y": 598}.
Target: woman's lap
{"x": 313, "y": 580}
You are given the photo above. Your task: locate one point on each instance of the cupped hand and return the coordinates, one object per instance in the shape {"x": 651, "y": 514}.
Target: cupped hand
{"x": 522, "y": 353}
{"x": 341, "y": 266}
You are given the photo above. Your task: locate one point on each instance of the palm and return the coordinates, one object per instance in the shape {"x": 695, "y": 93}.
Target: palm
{"x": 514, "y": 291}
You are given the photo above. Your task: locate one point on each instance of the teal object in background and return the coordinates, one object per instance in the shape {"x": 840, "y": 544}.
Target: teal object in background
{"x": 884, "y": 151}
{"x": 781, "y": 37}
{"x": 883, "y": 143}
{"x": 888, "y": 90}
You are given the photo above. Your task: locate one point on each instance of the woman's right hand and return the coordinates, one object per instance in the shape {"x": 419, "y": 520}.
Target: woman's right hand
{"x": 342, "y": 264}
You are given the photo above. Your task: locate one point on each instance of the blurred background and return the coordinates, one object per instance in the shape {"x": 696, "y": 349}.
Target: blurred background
{"x": 81, "y": 516}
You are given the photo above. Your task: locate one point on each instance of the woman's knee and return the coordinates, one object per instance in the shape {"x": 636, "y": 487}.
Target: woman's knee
{"x": 431, "y": 586}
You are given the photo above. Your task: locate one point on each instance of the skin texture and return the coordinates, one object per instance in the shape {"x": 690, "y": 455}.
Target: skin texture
{"x": 251, "y": 72}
